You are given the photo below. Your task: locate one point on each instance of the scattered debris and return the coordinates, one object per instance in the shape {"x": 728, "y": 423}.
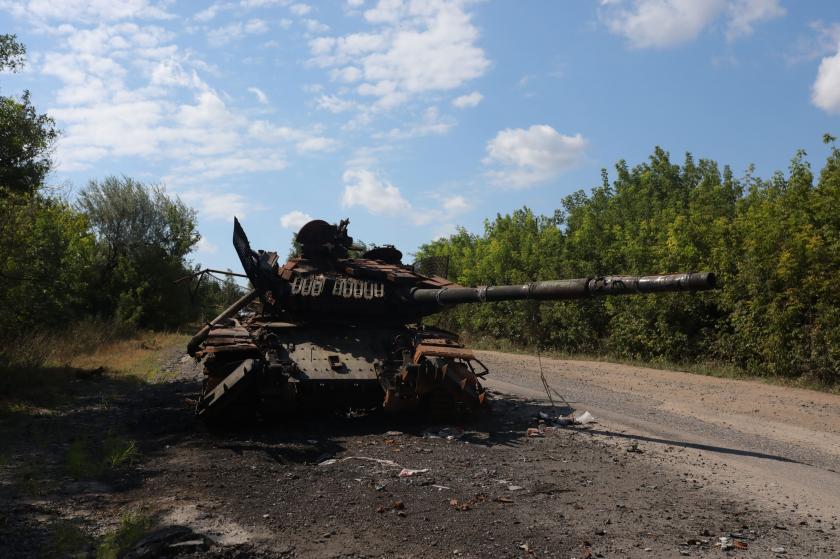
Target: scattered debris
{"x": 779, "y": 550}
{"x": 503, "y": 500}
{"x": 440, "y": 487}
{"x": 514, "y": 487}
{"x": 634, "y": 447}
{"x": 176, "y": 538}
{"x": 585, "y": 418}
{"x": 467, "y": 505}
{"x": 447, "y": 433}
{"x": 382, "y": 461}
{"x": 408, "y": 472}
{"x": 534, "y": 432}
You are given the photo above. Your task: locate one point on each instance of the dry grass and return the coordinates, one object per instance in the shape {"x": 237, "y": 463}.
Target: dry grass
{"x": 140, "y": 356}
{"x": 42, "y": 371}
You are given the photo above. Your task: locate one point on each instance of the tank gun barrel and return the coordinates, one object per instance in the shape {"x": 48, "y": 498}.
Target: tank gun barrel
{"x": 579, "y": 288}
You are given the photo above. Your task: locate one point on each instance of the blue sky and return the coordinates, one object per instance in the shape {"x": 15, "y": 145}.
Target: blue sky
{"x": 412, "y": 118}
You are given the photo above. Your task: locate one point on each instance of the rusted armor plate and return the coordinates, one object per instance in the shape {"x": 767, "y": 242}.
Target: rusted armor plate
{"x": 427, "y": 350}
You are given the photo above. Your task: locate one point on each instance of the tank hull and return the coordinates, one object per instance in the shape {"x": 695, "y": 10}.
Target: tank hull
{"x": 272, "y": 368}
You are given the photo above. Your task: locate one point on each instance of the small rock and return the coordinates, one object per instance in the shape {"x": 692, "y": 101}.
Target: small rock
{"x": 780, "y": 550}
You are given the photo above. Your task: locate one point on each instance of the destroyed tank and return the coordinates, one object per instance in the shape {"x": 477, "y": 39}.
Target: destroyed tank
{"x": 327, "y": 331}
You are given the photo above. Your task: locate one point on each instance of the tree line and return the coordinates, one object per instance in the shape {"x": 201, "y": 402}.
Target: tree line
{"x": 111, "y": 255}
{"x": 774, "y": 244}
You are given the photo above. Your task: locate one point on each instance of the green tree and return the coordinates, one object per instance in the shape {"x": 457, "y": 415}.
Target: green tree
{"x": 26, "y": 137}
{"x": 143, "y": 239}
{"x": 12, "y": 53}
{"x": 46, "y": 251}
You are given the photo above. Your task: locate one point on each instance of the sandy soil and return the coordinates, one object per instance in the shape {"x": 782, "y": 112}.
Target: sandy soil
{"x": 661, "y": 476}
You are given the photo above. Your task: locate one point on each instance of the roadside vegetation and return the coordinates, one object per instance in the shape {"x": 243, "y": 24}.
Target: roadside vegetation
{"x": 774, "y": 244}
{"x": 75, "y": 275}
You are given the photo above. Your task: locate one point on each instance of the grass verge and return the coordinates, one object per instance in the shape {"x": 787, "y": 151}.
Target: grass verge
{"x": 44, "y": 371}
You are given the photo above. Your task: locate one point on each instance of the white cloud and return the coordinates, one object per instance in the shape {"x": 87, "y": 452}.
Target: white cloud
{"x": 207, "y": 13}
{"x": 456, "y": 205}
{"x": 316, "y": 144}
{"x": 662, "y": 23}
{"x": 240, "y": 162}
{"x": 418, "y": 47}
{"x": 523, "y": 157}
{"x": 821, "y": 39}
{"x": 300, "y": 9}
{"x": 262, "y": 3}
{"x": 224, "y": 35}
{"x": 348, "y": 74}
{"x": 87, "y": 11}
{"x": 305, "y": 141}
{"x": 667, "y": 23}
{"x": 127, "y": 91}
{"x": 468, "y": 100}
{"x": 314, "y": 26}
{"x": 825, "y": 92}
{"x": 431, "y": 124}
{"x": 221, "y": 206}
{"x": 260, "y": 94}
{"x": 363, "y": 188}
{"x": 744, "y": 13}
{"x": 295, "y": 219}
{"x": 205, "y": 247}
{"x": 334, "y": 104}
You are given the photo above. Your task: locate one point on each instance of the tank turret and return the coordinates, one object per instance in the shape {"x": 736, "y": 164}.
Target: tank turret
{"x": 334, "y": 329}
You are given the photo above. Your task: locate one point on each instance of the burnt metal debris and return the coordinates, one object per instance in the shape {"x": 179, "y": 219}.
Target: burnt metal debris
{"x": 327, "y": 331}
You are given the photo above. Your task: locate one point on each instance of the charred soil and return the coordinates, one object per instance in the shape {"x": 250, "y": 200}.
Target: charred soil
{"x": 124, "y": 469}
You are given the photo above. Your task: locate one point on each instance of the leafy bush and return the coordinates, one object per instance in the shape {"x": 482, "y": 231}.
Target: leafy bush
{"x": 775, "y": 245}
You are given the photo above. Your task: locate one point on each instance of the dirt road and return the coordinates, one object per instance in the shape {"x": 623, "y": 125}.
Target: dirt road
{"x": 674, "y": 463}
{"x": 780, "y": 446}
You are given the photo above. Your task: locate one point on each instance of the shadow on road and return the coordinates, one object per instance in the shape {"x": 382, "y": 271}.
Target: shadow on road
{"x": 696, "y": 446}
